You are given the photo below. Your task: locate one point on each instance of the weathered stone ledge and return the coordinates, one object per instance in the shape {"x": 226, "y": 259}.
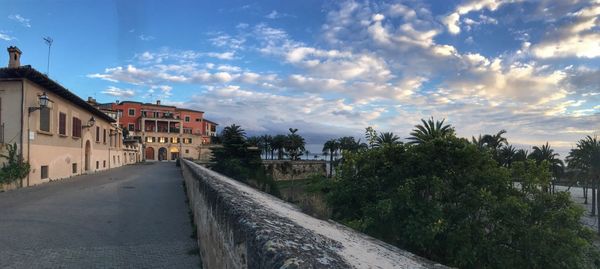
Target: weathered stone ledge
{"x": 240, "y": 227}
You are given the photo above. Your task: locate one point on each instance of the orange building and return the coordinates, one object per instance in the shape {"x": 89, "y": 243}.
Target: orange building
{"x": 166, "y": 132}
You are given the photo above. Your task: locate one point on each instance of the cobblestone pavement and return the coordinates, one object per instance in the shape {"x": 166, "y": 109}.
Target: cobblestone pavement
{"x": 128, "y": 217}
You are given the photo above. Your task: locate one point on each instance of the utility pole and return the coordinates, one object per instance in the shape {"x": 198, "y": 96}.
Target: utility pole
{"x": 48, "y": 41}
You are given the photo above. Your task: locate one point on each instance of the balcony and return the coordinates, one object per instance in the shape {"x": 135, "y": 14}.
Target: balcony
{"x": 162, "y": 129}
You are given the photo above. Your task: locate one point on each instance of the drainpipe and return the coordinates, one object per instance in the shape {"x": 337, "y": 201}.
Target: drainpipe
{"x": 22, "y": 112}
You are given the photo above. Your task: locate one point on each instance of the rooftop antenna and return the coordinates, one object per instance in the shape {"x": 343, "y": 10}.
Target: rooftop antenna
{"x": 48, "y": 41}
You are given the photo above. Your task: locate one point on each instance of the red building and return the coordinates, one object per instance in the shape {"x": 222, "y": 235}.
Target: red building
{"x": 165, "y": 131}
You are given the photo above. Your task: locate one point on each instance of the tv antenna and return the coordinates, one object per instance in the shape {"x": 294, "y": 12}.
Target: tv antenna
{"x": 48, "y": 41}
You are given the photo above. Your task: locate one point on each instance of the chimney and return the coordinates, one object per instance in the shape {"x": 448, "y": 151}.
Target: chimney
{"x": 158, "y": 102}
{"x": 14, "y": 55}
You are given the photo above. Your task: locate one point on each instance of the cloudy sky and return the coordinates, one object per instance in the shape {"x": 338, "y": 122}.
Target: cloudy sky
{"x": 331, "y": 68}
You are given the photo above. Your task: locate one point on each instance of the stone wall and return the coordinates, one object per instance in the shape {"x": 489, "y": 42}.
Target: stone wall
{"x": 288, "y": 170}
{"x": 240, "y": 227}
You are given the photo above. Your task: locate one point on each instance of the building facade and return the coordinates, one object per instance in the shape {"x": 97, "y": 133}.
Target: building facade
{"x": 56, "y": 132}
{"x": 166, "y": 132}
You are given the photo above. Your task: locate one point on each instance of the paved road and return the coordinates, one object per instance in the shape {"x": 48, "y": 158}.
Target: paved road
{"x": 129, "y": 217}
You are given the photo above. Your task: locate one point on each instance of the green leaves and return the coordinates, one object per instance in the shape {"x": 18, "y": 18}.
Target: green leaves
{"x": 447, "y": 200}
{"x": 15, "y": 168}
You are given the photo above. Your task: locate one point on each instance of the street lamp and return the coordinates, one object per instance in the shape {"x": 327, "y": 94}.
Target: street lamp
{"x": 43, "y": 102}
{"x": 90, "y": 122}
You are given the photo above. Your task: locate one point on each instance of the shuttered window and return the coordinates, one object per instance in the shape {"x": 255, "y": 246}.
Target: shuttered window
{"x": 62, "y": 123}
{"x": 97, "y": 134}
{"x": 45, "y": 119}
{"x": 76, "y": 127}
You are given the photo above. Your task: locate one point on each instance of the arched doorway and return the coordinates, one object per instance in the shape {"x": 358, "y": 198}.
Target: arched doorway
{"x": 150, "y": 153}
{"x": 162, "y": 154}
{"x": 88, "y": 153}
{"x": 174, "y": 153}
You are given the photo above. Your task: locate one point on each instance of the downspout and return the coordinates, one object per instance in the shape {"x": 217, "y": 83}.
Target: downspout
{"x": 22, "y": 117}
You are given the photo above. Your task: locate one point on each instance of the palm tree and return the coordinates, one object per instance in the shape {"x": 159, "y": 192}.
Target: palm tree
{"x": 507, "y": 155}
{"x": 278, "y": 144}
{"x": 254, "y": 141}
{"x": 330, "y": 148}
{"x": 479, "y": 142}
{"x": 546, "y": 153}
{"x": 586, "y": 159}
{"x": 495, "y": 142}
{"x": 266, "y": 143}
{"x": 430, "y": 130}
{"x": 520, "y": 155}
{"x": 387, "y": 139}
{"x": 233, "y": 134}
{"x": 294, "y": 144}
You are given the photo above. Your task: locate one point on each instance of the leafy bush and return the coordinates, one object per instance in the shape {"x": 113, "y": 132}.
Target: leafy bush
{"x": 14, "y": 169}
{"x": 446, "y": 200}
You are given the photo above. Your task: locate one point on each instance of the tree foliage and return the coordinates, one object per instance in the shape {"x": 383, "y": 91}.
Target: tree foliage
{"x": 14, "y": 168}
{"x": 429, "y": 130}
{"x": 447, "y": 200}
{"x": 237, "y": 160}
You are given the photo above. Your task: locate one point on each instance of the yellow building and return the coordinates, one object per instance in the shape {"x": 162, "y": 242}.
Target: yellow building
{"x": 56, "y": 132}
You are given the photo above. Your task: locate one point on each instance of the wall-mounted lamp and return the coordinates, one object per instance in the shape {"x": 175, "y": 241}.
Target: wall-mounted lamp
{"x": 90, "y": 123}
{"x": 43, "y": 102}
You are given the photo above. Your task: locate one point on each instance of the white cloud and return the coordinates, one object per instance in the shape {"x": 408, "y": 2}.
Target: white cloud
{"x": 229, "y": 55}
{"x": 118, "y": 92}
{"x": 24, "y": 21}
{"x": 452, "y": 20}
{"x": 575, "y": 38}
{"x": 144, "y": 37}
{"x": 6, "y": 37}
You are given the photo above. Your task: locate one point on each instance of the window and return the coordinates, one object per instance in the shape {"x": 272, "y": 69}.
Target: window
{"x": 162, "y": 140}
{"x": 62, "y": 123}
{"x": 174, "y": 140}
{"x": 144, "y": 113}
{"x": 104, "y": 136}
{"x": 97, "y": 164}
{"x": 132, "y": 112}
{"x": 131, "y": 127}
{"x": 114, "y": 159}
{"x": 187, "y": 130}
{"x": 44, "y": 171}
{"x": 187, "y": 151}
{"x": 120, "y": 113}
{"x": 213, "y": 128}
{"x": 45, "y": 119}
{"x": 187, "y": 141}
{"x": 74, "y": 165}
{"x": 97, "y": 134}
{"x": 156, "y": 114}
{"x": 187, "y": 118}
{"x": 76, "y": 127}
{"x": 104, "y": 163}
{"x": 150, "y": 139}
{"x": 198, "y": 119}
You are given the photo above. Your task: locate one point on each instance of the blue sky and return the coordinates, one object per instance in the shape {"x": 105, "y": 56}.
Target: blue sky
{"x": 331, "y": 68}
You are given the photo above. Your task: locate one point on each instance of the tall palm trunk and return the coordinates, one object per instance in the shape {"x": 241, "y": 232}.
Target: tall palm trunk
{"x": 593, "y": 197}
{"x": 585, "y": 193}
{"x": 331, "y": 164}
{"x": 598, "y": 202}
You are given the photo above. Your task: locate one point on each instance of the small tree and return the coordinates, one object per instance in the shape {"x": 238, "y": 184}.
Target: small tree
{"x": 14, "y": 169}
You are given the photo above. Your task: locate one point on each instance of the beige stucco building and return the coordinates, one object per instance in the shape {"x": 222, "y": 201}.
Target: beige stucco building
{"x": 64, "y": 138}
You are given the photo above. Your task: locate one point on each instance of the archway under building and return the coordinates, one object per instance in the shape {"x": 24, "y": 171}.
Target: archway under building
{"x": 150, "y": 153}
{"x": 162, "y": 154}
{"x": 174, "y": 153}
